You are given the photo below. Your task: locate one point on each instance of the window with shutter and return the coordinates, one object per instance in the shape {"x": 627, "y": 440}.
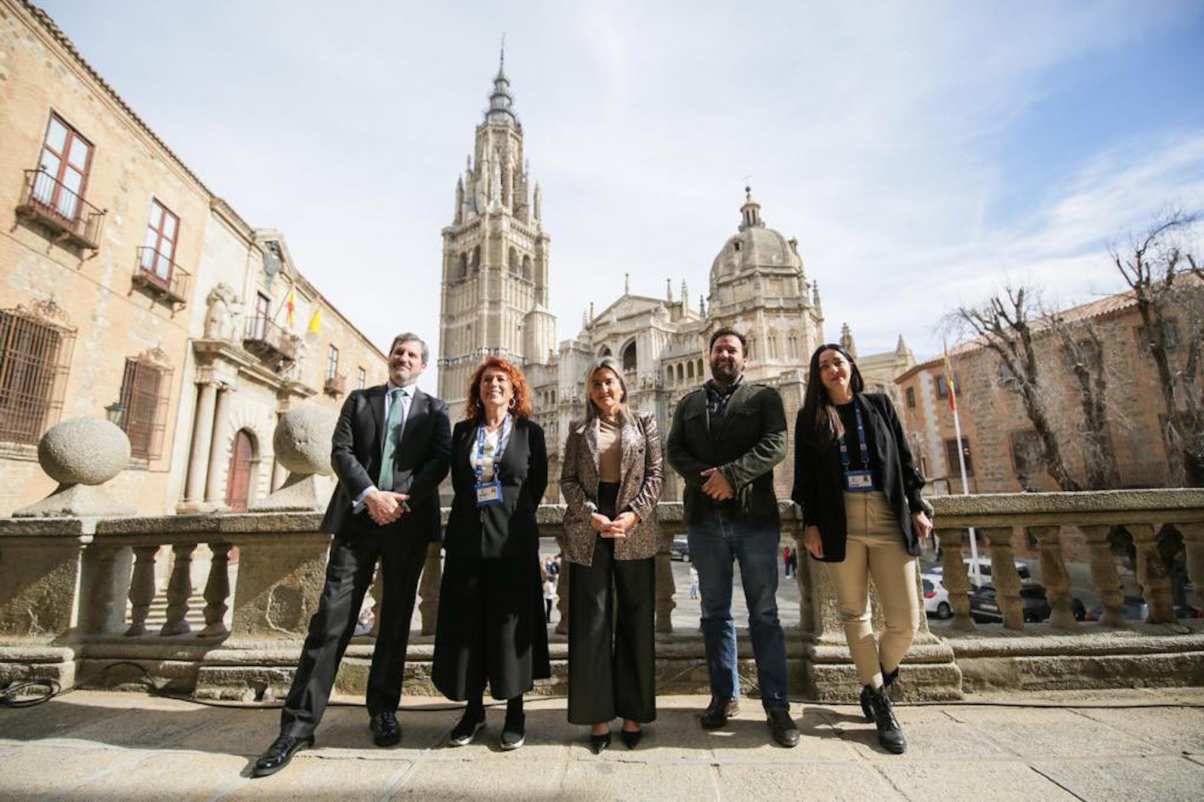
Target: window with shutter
{"x": 951, "y": 457}
{"x": 144, "y": 389}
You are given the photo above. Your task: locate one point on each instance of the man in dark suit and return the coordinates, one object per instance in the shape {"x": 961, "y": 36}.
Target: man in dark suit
{"x": 390, "y": 452}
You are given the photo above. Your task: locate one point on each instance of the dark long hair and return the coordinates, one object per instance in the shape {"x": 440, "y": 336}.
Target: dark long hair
{"x": 820, "y": 424}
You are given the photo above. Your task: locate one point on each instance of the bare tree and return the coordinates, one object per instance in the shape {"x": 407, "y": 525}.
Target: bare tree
{"x": 1004, "y": 324}
{"x": 1166, "y": 283}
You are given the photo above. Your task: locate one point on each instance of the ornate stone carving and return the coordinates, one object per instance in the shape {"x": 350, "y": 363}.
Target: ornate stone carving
{"x": 219, "y": 317}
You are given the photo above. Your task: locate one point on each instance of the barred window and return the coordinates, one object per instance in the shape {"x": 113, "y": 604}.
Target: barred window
{"x": 34, "y": 357}
{"x": 144, "y": 394}
{"x": 951, "y": 457}
{"x": 911, "y": 398}
{"x": 361, "y": 378}
{"x": 332, "y": 362}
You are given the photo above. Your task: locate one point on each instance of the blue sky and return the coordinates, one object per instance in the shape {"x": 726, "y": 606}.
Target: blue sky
{"x": 922, "y": 153}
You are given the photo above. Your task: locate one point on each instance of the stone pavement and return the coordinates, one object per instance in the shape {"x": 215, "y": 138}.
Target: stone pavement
{"x": 105, "y": 745}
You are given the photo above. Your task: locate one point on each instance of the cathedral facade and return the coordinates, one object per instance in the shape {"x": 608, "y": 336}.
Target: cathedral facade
{"x": 495, "y": 302}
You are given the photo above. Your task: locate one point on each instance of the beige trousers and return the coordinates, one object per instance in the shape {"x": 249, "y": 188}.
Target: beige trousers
{"x": 875, "y": 549}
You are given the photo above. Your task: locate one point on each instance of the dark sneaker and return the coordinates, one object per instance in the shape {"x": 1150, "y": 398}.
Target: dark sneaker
{"x": 890, "y": 733}
{"x": 466, "y": 730}
{"x": 783, "y": 728}
{"x": 718, "y": 712}
{"x": 279, "y": 754}
{"x": 514, "y": 732}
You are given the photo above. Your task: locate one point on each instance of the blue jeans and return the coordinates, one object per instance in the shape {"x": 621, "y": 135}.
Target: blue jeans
{"x": 714, "y": 545}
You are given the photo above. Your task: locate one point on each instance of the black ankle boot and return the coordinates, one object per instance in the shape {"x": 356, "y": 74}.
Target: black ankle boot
{"x": 890, "y": 734}
{"x": 889, "y": 679}
{"x": 866, "y": 710}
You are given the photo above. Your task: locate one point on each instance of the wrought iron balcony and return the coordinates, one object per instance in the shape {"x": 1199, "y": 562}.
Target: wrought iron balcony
{"x": 336, "y": 385}
{"x": 50, "y": 203}
{"x": 270, "y": 342}
{"x": 160, "y": 276}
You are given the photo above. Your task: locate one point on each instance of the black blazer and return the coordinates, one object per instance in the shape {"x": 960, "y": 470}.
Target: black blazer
{"x": 420, "y": 461}
{"x": 819, "y": 477}
{"x": 745, "y": 444}
{"x": 507, "y": 529}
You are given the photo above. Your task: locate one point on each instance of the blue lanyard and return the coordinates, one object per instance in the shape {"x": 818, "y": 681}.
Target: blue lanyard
{"x": 502, "y": 439}
{"x": 865, "y": 451}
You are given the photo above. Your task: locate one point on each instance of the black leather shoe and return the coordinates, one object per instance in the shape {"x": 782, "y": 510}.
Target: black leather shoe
{"x": 514, "y": 732}
{"x": 890, "y": 733}
{"x": 279, "y": 754}
{"x": 464, "y": 732}
{"x": 599, "y": 743}
{"x": 718, "y": 712}
{"x": 385, "y": 729}
{"x": 866, "y": 710}
{"x": 783, "y": 728}
{"x": 631, "y": 738}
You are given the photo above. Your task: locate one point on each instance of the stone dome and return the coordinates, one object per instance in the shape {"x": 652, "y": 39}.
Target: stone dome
{"x": 754, "y": 246}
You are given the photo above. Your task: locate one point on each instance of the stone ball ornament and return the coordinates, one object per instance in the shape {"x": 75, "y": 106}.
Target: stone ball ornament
{"x": 85, "y": 451}
{"x": 302, "y": 440}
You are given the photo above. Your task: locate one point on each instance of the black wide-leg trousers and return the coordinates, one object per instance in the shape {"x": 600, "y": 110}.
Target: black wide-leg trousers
{"x": 612, "y": 658}
{"x": 349, "y": 571}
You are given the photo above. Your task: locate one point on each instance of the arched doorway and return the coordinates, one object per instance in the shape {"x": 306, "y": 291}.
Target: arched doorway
{"x": 242, "y": 463}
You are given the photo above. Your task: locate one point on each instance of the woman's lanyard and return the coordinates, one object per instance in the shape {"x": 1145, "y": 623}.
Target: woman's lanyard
{"x": 489, "y": 493}
{"x": 857, "y": 481}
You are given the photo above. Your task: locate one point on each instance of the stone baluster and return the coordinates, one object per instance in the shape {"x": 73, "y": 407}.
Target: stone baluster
{"x": 955, "y": 577}
{"x": 1193, "y": 542}
{"x": 1152, "y": 574}
{"x": 428, "y": 588}
{"x": 179, "y": 589}
{"x": 104, "y": 580}
{"x": 1004, "y": 576}
{"x": 1054, "y": 575}
{"x": 665, "y": 588}
{"x": 142, "y": 588}
{"x": 217, "y": 591}
{"x": 1104, "y": 574}
{"x": 562, "y": 604}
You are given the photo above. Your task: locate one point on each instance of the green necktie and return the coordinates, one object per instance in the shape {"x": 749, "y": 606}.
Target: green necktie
{"x": 397, "y": 411}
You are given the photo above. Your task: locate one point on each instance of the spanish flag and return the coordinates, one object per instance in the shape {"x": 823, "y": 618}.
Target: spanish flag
{"x": 315, "y": 322}
{"x": 950, "y": 381}
{"x": 291, "y": 304}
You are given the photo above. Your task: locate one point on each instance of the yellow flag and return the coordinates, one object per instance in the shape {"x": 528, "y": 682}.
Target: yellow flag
{"x": 315, "y": 322}
{"x": 291, "y": 305}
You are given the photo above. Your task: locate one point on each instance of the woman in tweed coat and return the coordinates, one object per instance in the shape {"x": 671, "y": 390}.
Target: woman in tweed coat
{"x": 611, "y": 479}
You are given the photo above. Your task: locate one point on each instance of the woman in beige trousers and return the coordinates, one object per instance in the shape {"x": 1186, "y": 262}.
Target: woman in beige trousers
{"x": 863, "y": 517}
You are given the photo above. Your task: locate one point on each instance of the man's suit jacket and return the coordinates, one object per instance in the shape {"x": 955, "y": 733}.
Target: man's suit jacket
{"x": 507, "y": 529}
{"x": 745, "y": 444}
{"x": 641, "y": 475}
{"x": 420, "y": 462}
{"x": 819, "y": 477}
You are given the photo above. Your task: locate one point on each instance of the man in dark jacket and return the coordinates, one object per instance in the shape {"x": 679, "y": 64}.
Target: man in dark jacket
{"x": 725, "y": 440}
{"x": 390, "y": 452}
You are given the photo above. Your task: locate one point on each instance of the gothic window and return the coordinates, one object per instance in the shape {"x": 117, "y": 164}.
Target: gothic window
{"x": 681, "y": 373}
{"x": 463, "y": 271}
{"x": 669, "y": 374}
{"x": 700, "y": 373}
{"x": 34, "y": 357}
{"x": 629, "y": 359}
{"x": 512, "y": 261}
{"x": 476, "y": 258}
{"x": 527, "y": 268}
{"x": 690, "y": 370}
{"x": 144, "y": 395}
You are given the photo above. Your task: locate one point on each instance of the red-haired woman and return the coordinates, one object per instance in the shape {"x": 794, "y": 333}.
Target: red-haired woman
{"x": 491, "y": 623}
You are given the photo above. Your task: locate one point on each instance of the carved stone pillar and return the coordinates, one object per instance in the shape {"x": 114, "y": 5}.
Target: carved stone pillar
{"x": 217, "y": 591}
{"x": 1104, "y": 574}
{"x": 956, "y": 579}
{"x": 1004, "y": 576}
{"x": 1193, "y": 541}
{"x": 142, "y": 588}
{"x": 1054, "y": 575}
{"x": 428, "y": 588}
{"x": 104, "y": 583}
{"x": 179, "y": 590}
{"x": 217, "y": 450}
{"x": 1152, "y": 574}
{"x": 665, "y": 588}
{"x": 202, "y": 443}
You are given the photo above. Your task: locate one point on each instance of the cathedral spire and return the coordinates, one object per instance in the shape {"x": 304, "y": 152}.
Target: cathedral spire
{"x": 750, "y": 212}
{"x": 500, "y": 101}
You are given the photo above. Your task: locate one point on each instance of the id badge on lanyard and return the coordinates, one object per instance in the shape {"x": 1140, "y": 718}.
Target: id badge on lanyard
{"x": 489, "y": 494}
{"x": 857, "y": 481}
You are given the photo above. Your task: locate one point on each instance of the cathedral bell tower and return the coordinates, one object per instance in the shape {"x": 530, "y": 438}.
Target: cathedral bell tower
{"x": 495, "y": 257}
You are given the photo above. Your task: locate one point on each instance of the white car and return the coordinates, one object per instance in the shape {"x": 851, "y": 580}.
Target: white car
{"x": 936, "y": 598}
{"x": 984, "y": 571}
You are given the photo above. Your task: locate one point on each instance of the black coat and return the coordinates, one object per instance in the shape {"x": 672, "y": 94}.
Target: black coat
{"x": 420, "y": 461}
{"x": 819, "y": 477}
{"x": 745, "y": 444}
{"x": 507, "y": 529}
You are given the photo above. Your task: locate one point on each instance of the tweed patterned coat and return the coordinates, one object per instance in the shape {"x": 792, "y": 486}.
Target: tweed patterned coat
{"x": 641, "y": 474}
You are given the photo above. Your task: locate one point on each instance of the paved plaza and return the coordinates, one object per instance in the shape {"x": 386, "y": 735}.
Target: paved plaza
{"x": 107, "y": 745}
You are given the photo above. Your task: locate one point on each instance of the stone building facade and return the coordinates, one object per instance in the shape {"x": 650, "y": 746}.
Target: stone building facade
{"x": 496, "y": 280}
{"x": 130, "y": 290}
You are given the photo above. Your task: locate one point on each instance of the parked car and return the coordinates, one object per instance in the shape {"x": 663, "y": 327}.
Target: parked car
{"x": 984, "y": 570}
{"x": 984, "y": 604}
{"x": 936, "y": 598}
{"x": 1133, "y": 608}
{"x": 680, "y": 550}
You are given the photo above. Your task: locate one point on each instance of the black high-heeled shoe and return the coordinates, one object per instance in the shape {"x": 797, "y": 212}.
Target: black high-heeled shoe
{"x": 631, "y": 738}
{"x": 597, "y": 743}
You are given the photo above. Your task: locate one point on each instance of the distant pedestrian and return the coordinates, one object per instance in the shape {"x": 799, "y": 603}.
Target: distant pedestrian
{"x": 693, "y": 582}
{"x": 786, "y": 559}
{"x": 549, "y": 596}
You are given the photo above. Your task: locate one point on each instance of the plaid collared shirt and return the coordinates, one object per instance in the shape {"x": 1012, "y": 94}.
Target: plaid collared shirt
{"x": 718, "y": 396}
